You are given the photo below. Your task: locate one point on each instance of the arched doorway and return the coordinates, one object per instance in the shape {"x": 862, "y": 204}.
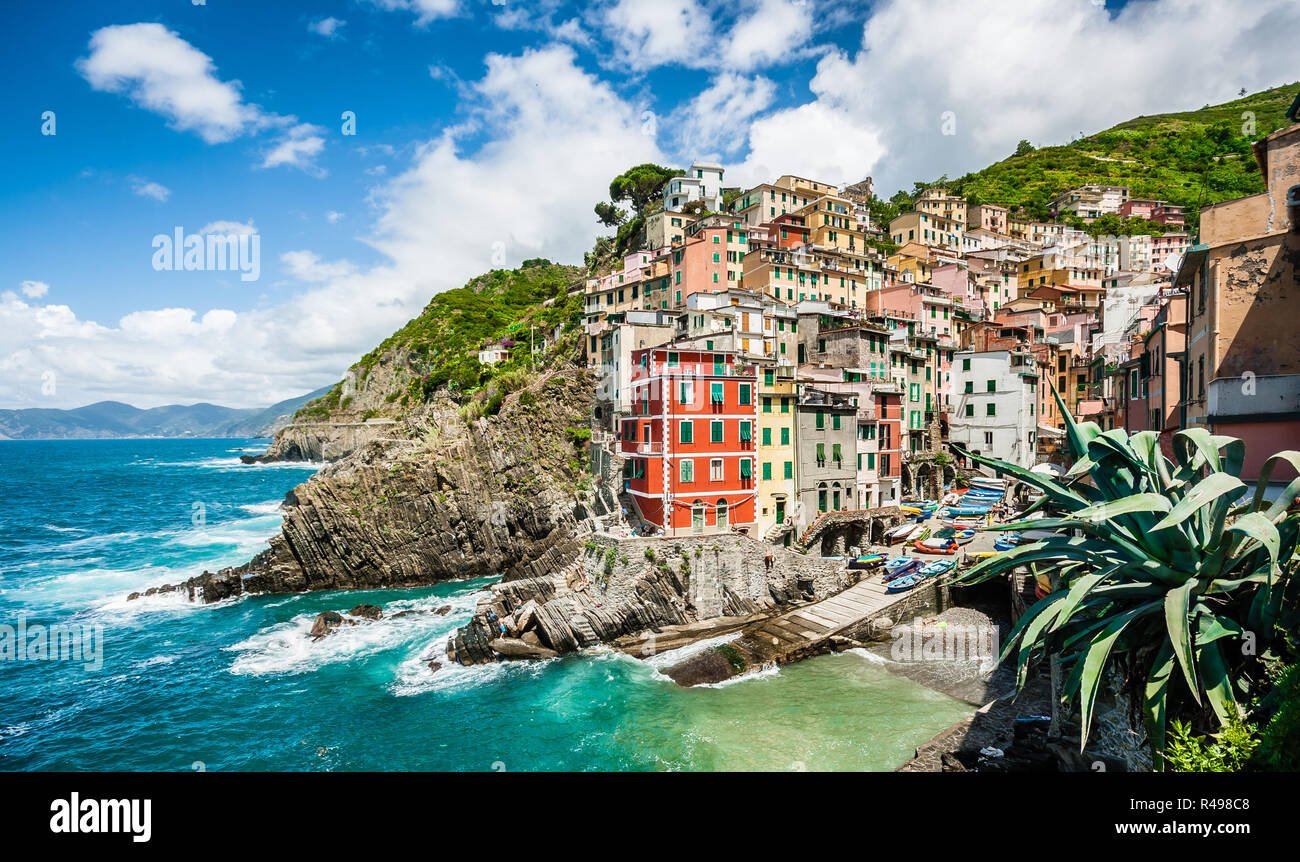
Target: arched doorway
{"x": 722, "y": 518}
{"x": 697, "y": 516}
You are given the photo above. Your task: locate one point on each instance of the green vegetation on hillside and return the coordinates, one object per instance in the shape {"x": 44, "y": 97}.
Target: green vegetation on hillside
{"x": 1194, "y": 159}
{"x": 440, "y": 347}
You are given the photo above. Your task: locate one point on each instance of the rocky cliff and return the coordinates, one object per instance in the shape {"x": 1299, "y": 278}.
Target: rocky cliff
{"x": 438, "y": 497}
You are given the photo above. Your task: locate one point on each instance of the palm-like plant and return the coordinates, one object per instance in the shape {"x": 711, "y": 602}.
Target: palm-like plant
{"x": 1164, "y": 562}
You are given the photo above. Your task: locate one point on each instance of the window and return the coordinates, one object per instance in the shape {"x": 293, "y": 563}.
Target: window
{"x": 990, "y": 409}
{"x": 992, "y": 386}
{"x": 767, "y": 404}
{"x": 965, "y": 365}
{"x": 767, "y": 436}
{"x": 785, "y": 436}
{"x": 767, "y": 470}
{"x": 970, "y": 387}
{"x": 747, "y": 431}
{"x": 715, "y": 393}
{"x": 686, "y": 431}
{"x": 836, "y": 454}
{"x": 715, "y": 470}
{"x": 835, "y": 422}
{"x": 715, "y": 431}
{"x": 744, "y": 394}
{"x": 687, "y": 470}
{"x": 785, "y": 402}
{"x": 821, "y": 454}
{"x": 673, "y": 360}
{"x": 746, "y": 468}
{"x": 789, "y": 470}
{"x": 687, "y": 392}
{"x": 970, "y": 409}
{"x": 988, "y": 438}
{"x": 820, "y": 420}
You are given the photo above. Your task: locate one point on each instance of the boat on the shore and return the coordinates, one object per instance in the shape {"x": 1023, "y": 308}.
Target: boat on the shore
{"x": 936, "y": 546}
{"x": 900, "y": 567}
{"x": 867, "y": 561}
{"x": 936, "y": 567}
{"x": 905, "y": 583}
{"x": 909, "y": 532}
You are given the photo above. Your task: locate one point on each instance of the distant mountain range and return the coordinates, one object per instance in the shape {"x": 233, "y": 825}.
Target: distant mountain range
{"x": 109, "y": 419}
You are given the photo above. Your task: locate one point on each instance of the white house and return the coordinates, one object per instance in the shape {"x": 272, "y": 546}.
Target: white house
{"x": 703, "y": 182}
{"x": 995, "y": 399}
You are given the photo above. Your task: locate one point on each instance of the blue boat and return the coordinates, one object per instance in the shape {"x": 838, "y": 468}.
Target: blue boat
{"x": 1006, "y": 541}
{"x": 938, "y": 567}
{"x": 900, "y": 567}
{"x": 905, "y": 583}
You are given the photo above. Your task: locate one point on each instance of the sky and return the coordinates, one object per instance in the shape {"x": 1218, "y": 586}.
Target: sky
{"x": 382, "y": 151}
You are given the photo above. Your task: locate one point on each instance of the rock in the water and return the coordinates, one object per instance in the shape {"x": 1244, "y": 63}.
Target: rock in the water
{"x": 133, "y": 597}
{"x": 710, "y": 666}
{"x": 325, "y": 623}
{"x": 435, "y": 666}
{"x": 516, "y": 648}
{"x": 443, "y": 611}
{"x": 367, "y": 612}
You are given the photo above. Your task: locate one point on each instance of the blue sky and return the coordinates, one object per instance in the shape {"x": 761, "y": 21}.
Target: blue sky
{"x": 485, "y": 131}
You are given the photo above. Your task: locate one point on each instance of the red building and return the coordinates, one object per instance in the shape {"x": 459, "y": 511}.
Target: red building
{"x": 889, "y": 434}
{"x": 689, "y": 445}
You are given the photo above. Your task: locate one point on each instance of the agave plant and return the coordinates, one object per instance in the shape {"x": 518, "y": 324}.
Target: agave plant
{"x": 1169, "y": 564}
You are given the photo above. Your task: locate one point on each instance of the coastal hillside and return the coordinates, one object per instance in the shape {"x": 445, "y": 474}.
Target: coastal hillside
{"x": 1192, "y": 158}
{"x": 438, "y": 352}
{"x": 113, "y": 419}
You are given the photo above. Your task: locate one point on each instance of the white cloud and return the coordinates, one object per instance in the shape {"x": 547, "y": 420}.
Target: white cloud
{"x": 149, "y": 189}
{"x": 650, "y": 33}
{"x": 424, "y": 10}
{"x": 552, "y": 138}
{"x": 846, "y": 147}
{"x": 161, "y": 72}
{"x": 298, "y": 148}
{"x": 327, "y": 27}
{"x": 306, "y": 266}
{"x": 713, "y": 124}
{"x": 773, "y": 33}
{"x": 985, "y": 62}
{"x": 229, "y": 227}
{"x": 333, "y": 216}
{"x": 34, "y": 289}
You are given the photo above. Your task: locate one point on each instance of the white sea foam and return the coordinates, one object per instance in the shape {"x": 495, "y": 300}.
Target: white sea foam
{"x": 288, "y": 648}
{"x": 270, "y": 507}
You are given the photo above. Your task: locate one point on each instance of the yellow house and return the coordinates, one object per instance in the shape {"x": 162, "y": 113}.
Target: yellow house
{"x": 777, "y": 464}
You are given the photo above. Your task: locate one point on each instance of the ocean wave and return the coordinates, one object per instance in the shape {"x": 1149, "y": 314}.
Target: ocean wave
{"x": 287, "y": 648}
{"x": 270, "y": 507}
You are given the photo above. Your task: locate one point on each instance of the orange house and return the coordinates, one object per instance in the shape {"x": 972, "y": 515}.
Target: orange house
{"x": 689, "y": 446}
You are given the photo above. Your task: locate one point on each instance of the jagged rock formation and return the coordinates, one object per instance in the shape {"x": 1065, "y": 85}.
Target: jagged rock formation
{"x": 438, "y": 498}
{"x": 621, "y": 589}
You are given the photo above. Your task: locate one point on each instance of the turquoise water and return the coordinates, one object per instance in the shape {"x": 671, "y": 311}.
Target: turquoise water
{"x": 239, "y": 685}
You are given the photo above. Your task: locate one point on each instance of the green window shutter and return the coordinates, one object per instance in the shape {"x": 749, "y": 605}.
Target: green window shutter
{"x": 688, "y": 471}
{"x": 836, "y": 454}
{"x": 785, "y": 436}
{"x": 746, "y": 468}
{"x": 687, "y": 432}
{"x": 821, "y": 451}
{"x": 747, "y": 432}
{"x": 821, "y": 420}
{"x": 744, "y": 393}
{"x": 768, "y": 377}
{"x": 871, "y": 460}
{"x": 835, "y": 422}
{"x": 970, "y": 409}
{"x": 965, "y": 365}
{"x": 767, "y": 436}
{"x": 767, "y": 404}
{"x": 673, "y": 360}
{"x": 789, "y": 469}
{"x": 767, "y": 471}
{"x": 970, "y": 386}
{"x": 715, "y": 392}
{"x": 785, "y": 403}
{"x": 993, "y": 386}
{"x": 992, "y": 410}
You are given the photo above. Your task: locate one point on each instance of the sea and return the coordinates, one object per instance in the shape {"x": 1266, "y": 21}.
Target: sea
{"x": 162, "y": 684}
